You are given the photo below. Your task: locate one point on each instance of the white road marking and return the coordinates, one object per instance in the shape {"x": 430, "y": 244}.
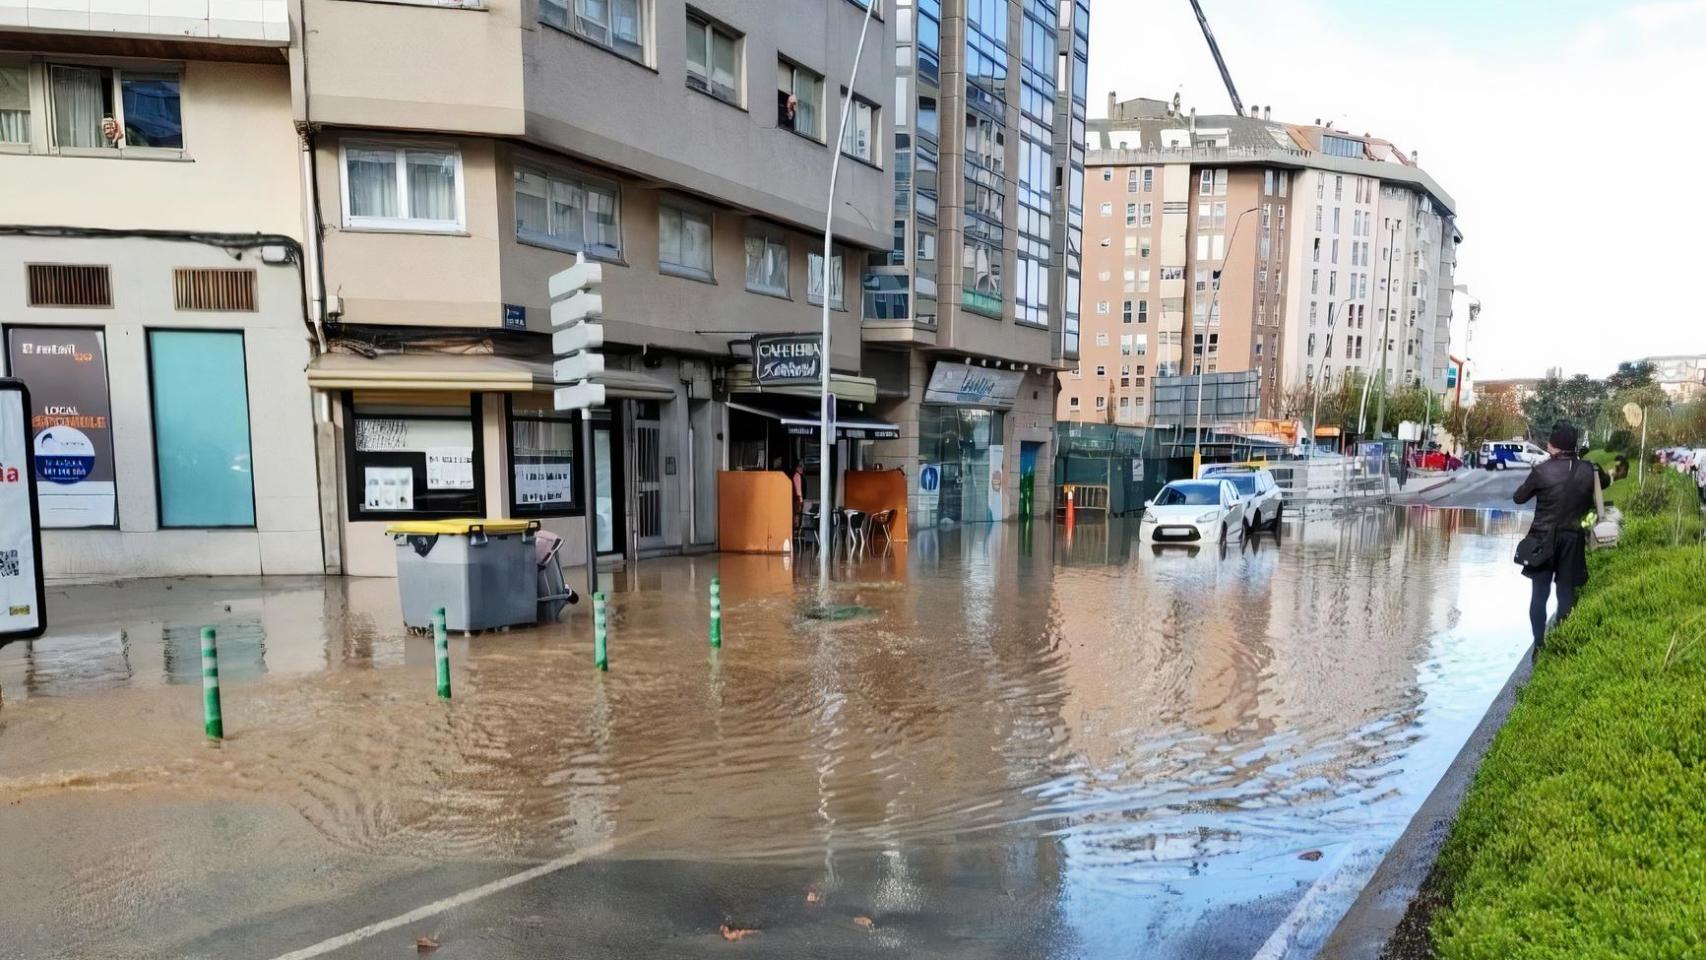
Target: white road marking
{"x": 448, "y": 903}
{"x": 1349, "y": 870}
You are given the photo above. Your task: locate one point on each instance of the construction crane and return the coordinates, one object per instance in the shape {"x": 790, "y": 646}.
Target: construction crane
{"x": 1219, "y": 61}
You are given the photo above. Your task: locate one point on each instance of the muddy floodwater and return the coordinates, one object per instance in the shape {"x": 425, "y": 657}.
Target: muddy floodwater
{"x": 996, "y": 741}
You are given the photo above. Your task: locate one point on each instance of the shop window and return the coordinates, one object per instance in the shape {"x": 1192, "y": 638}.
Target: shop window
{"x": 544, "y": 458}
{"x": 417, "y": 460}
{"x": 203, "y": 463}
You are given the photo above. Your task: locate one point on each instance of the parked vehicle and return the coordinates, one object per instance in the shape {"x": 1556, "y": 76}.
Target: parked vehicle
{"x": 1505, "y": 454}
{"x": 1193, "y": 511}
{"x": 1264, "y": 502}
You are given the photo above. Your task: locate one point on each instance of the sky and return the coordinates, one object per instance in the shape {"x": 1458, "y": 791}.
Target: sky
{"x": 1567, "y": 131}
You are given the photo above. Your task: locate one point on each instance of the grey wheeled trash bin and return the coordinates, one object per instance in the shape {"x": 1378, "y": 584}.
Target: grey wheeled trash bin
{"x": 482, "y": 572}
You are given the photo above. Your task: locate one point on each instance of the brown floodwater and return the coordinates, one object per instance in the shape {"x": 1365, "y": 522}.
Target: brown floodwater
{"x": 1135, "y": 746}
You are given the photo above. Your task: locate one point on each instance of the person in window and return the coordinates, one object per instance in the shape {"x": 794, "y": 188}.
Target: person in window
{"x": 1565, "y": 488}
{"x": 787, "y": 105}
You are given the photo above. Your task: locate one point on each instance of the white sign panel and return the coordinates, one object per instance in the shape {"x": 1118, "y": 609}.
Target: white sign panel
{"x": 965, "y": 385}
{"x": 389, "y": 488}
{"x": 997, "y": 480}
{"x": 21, "y": 613}
{"x": 544, "y": 483}
{"x": 450, "y": 468}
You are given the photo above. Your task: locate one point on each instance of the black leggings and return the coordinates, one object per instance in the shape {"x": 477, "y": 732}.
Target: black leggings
{"x": 1537, "y": 604}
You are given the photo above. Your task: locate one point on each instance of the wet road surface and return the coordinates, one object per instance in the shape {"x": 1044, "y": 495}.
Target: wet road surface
{"x": 1017, "y": 743}
{"x": 1474, "y": 490}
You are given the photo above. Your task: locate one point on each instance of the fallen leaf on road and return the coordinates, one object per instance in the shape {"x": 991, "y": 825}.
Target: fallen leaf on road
{"x": 735, "y": 934}
{"x": 812, "y": 896}
{"x": 425, "y": 944}
{"x": 1310, "y": 855}
{"x": 865, "y": 922}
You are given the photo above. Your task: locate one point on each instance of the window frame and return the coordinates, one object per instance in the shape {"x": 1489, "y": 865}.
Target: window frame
{"x": 837, "y": 258}
{"x": 876, "y": 129}
{"x": 667, "y": 203}
{"x": 819, "y": 136}
{"x": 645, "y": 11}
{"x": 154, "y": 429}
{"x": 712, "y": 27}
{"x": 355, "y": 492}
{"x": 366, "y": 224}
{"x": 530, "y": 511}
{"x": 548, "y": 171}
{"x": 769, "y": 234}
{"x": 39, "y": 74}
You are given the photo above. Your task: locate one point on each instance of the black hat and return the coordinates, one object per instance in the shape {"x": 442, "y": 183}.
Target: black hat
{"x": 1563, "y": 437}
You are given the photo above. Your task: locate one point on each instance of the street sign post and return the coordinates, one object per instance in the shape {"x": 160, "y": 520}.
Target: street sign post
{"x": 22, "y": 611}
{"x": 577, "y": 313}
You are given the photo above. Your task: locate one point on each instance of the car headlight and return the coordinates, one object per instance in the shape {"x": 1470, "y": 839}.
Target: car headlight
{"x": 1149, "y": 518}
{"x": 1209, "y": 517}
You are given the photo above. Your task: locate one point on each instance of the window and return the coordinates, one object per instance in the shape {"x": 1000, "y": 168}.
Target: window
{"x": 14, "y": 104}
{"x": 1101, "y": 403}
{"x": 421, "y": 460}
{"x": 1106, "y": 209}
{"x": 1102, "y": 307}
{"x": 202, "y": 462}
{"x": 106, "y": 107}
{"x": 1125, "y": 312}
{"x": 1077, "y": 373}
{"x": 1315, "y": 281}
{"x": 814, "y": 280}
{"x": 1148, "y": 179}
{"x": 1338, "y": 188}
{"x": 1142, "y": 281}
{"x": 1101, "y": 338}
{"x": 1205, "y": 183}
{"x": 1148, "y": 216}
{"x": 799, "y": 100}
{"x": 1267, "y": 183}
{"x": 1129, "y": 278}
{"x": 1128, "y": 344}
{"x": 566, "y": 212}
{"x": 391, "y": 186}
{"x": 1143, "y": 247}
{"x": 860, "y": 141}
{"x": 1072, "y": 402}
{"x": 544, "y": 458}
{"x": 1101, "y": 372}
{"x": 684, "y": 242}
{"x": 1131, "y": 214}
{"x": 1335, "y": 219}
{"x": 1107, "y": 174}
{"x": 1335, "y": 258}
{"x": 1131, "y": 180}
{"x": 1315, "y": 251}
{"x": 713, "y": 59}
{"x": 767, "y": 264}
{"x": 616, "y": 25}
{"x": 1143, "y": 311}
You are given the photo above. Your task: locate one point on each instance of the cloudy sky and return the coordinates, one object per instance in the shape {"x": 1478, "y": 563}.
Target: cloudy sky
{"x": 1568, "y": 131}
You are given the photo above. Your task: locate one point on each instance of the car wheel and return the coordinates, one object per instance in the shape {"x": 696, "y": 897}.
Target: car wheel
{"x": 1279, "y": 514}
{"x": 1223, "y": 533}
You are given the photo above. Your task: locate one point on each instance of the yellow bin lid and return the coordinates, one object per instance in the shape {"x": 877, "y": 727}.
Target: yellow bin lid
{"x": 461, "y": 527}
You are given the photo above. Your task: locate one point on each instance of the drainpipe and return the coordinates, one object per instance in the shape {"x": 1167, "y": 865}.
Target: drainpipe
{"x": 313, "y": 275}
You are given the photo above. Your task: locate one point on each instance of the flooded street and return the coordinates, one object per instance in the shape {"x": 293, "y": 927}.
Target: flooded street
{"x": 999, "y": 741}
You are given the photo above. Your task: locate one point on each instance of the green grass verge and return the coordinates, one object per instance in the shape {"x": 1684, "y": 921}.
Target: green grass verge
{"x": 1584, "y": 834}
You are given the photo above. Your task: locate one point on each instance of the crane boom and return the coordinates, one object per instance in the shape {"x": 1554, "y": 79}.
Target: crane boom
{"x": 1219, "y": 61}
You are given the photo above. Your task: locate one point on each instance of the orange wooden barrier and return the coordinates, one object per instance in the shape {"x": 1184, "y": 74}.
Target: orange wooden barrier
{"x": 755, "y": 511}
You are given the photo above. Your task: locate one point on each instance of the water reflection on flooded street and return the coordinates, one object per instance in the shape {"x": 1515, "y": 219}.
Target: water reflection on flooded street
{"x": 1021, "y": 742}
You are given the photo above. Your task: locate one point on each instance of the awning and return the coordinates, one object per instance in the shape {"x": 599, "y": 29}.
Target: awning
{"x": 845, "y": 386}
{"x": 800, "y": 422}
{"x": 463, "y": 372}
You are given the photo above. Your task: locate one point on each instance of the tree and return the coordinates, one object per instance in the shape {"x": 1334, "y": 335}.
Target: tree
{"x": 1491, "y": 419}
{"x": 1577, "y": 400}
{"x": 1630, "y": 375}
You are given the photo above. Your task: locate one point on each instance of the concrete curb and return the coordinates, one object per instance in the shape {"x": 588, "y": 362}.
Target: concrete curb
{"x": 1365, "y": 929}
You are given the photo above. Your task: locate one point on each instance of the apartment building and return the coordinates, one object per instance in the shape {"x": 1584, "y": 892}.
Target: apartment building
{"x": 1221, "y": 244}
{"x": 474, "y": 153}
{"x": 1683, "y": 378}
{"x": 151, "y": 285}
{"x": 970, "y": 311}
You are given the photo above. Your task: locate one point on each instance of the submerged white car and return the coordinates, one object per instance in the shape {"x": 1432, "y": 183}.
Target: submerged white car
{"x": 1264, "y": 504}
{"x": 1193, "y": 511}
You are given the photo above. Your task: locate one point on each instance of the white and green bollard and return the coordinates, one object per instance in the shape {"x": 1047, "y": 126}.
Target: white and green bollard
{"x": 212, "y": 721}
{"x": 716, "y": 612}
{"x": 441, "y": 652}
{"x": 600, "y": 628}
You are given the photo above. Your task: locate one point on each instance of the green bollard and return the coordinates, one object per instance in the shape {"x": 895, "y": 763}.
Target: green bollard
{"x": 212, "y": 721}
{"x": 716, "y": 612}
{"x": 441, "y": 652}
{"x": 600, "y": 624}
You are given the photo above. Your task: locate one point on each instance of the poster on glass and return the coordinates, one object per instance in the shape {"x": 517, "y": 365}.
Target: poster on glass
{"x": 70, "y": 422}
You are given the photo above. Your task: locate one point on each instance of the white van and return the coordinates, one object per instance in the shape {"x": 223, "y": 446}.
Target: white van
{"x": 1504, "y": 454}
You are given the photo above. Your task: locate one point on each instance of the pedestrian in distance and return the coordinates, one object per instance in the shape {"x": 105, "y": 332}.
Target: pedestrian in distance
{"x": 1554, "y": 553}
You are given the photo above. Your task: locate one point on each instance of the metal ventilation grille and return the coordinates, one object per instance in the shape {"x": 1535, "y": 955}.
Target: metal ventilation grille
{"x": 69, "y": 285}
{"x": 214, "y": 289}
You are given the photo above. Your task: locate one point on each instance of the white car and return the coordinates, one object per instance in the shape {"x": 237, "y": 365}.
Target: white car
{"x": 1264, "y": 503}
{"x": 1504, "y": 454}
{"x": 1193, "y": 512}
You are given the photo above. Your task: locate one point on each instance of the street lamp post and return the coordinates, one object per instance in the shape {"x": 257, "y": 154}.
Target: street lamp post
{"x": 1202, "y": 356}
{"x": 826, "y": 409}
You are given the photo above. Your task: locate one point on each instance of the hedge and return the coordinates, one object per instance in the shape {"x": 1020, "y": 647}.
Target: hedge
{"x": 1584, "y": 834}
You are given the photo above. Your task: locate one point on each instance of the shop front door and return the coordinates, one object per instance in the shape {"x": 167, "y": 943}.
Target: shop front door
{"x": 648, "y": 476}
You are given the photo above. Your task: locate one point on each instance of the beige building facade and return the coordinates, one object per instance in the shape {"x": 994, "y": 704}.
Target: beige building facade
{"x": 1222, "y": 244}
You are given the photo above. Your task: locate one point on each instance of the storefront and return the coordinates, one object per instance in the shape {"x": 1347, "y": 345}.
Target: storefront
{"x": 431, "y": 436}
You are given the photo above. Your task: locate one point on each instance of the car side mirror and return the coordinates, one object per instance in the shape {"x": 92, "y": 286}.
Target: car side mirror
{"x": 1148, "y": 503}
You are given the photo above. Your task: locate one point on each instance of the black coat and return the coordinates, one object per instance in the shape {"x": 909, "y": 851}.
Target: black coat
{"x": 1563, "y": 488}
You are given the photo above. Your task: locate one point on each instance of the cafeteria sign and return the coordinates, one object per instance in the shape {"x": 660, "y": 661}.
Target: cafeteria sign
{"x": 787, "y": 359}
{"x": 21, "y": 612}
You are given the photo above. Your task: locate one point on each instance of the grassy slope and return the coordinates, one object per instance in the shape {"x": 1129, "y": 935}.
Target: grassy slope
{"x": 1584, "y": 835}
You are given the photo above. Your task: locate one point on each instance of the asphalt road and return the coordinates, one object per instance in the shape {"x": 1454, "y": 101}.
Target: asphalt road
{"x": 1473, "y": 490}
